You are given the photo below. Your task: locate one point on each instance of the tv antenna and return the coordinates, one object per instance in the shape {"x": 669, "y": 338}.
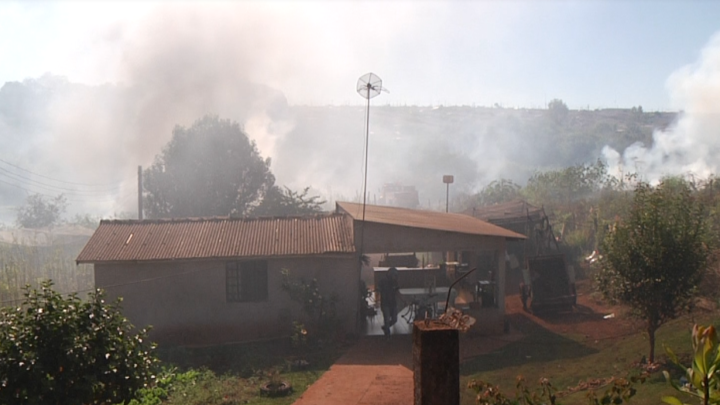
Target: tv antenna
{"x": 369, "y": 86}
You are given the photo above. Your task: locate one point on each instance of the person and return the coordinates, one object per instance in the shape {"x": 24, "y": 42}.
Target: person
{"x": 524, "y": 295}
{"x": 389, "y": 289}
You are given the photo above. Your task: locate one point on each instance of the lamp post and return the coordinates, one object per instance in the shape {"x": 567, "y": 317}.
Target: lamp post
{"x": 448, "y": 180}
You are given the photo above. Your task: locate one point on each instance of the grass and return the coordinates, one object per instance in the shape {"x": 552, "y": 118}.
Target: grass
{"x": 233, "y": 374}
{"x": 566, "y": 360}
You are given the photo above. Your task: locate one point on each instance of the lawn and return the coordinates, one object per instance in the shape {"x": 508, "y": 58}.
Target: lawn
{"x": 567, "y": 360}
{"x": 233, "y": 374}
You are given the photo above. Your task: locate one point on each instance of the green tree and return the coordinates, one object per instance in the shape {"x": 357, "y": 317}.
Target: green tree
{"x": 558, "y": 110}
{"x": 655, "y": 256}
{"x": 562, "y": 187}
{"x": 57, "y": 350}
{"x": 41, "y": 212}
{"x": 213, "y": 169}
{"x": 498, "y": 191}
{"x": 208, "y": 169}
{"x": 284, "y": 201}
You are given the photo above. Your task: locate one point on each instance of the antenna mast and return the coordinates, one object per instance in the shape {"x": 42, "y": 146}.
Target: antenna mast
{"x": 369, "y": 86}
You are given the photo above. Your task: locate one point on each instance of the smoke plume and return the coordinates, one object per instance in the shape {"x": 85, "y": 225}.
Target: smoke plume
{"x": 691, "y": 146}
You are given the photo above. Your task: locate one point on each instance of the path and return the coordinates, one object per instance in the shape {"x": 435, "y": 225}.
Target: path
{"x": 378, "y": 371}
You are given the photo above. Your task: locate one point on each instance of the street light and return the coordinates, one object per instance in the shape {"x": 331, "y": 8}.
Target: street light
{"x": 447, "y": 179}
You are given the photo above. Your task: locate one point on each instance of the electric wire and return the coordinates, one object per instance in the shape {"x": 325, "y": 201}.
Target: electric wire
{"x": 74, "y": 198}
{"x": 50, "y": 187}
{"x": 61, "y": 181}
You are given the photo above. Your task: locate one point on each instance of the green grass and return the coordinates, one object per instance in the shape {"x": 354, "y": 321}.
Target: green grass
{"x": 568, "y": 360}
{"x": 233, "y": 374}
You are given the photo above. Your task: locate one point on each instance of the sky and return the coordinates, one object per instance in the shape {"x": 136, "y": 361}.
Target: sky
{"x": 169, "y": 63}
{"x": 591, "y": 54}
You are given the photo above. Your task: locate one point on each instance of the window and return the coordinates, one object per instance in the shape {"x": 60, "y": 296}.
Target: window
{"x": 246, "y": 281}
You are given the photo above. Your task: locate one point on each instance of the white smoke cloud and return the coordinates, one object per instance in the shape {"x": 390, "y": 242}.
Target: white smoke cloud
{"x": 691, "y": 146}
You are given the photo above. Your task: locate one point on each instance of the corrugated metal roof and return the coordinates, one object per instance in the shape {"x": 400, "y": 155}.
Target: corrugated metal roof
{"x": 440, "y": 221}
{"x": 203, "y": 238}
{"x": 509, "y": 212}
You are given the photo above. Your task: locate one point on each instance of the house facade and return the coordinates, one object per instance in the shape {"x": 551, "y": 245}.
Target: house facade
{"x": 218, "y": 280}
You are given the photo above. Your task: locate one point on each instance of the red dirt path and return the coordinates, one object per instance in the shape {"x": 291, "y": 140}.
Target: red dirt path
{"x": 378, "y": 371}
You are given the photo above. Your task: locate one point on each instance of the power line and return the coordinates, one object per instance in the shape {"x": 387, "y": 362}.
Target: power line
{"x": 116, "y": 184}
{"x": 50, "y": 187}
{"x": 69, "y": 197}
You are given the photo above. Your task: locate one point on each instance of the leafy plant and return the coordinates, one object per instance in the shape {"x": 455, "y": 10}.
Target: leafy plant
{"x": 55, "y": 348}
{"x": 703, "y": 377}
{"x": 320, "y": 308}
{"x": 619, "y": 392}
{"x": 488, "y": 394}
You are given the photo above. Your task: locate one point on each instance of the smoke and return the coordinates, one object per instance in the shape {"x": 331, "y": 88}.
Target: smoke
{"x": 178, "y": 62}
{"x": 175, "y": 64}
{"x": 691, "y": 146}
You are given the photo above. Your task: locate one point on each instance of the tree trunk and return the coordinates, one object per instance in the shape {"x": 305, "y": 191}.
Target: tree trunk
{"x": 651, "y": 338}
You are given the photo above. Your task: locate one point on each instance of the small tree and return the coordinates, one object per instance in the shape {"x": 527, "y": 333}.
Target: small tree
{"x": 40, "y": 212}
{"x": 655, "y": 257}
{"x": 57, "y": 350}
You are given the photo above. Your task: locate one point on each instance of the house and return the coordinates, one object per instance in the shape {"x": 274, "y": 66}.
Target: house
{"x": 214, "y": 280}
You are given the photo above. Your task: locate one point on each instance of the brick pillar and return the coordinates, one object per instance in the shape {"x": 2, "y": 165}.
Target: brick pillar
{"x": 436, "y": 364}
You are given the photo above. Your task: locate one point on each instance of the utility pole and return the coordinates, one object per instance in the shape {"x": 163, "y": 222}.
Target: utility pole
{"x": 140, "y": 195}
{"x": 447, "y": 179}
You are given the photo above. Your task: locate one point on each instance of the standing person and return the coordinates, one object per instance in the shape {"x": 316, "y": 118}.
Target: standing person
{"x": 389, "y": 289}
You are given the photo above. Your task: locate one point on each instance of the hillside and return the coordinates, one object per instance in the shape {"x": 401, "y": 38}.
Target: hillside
{"x": 93, "y": 138}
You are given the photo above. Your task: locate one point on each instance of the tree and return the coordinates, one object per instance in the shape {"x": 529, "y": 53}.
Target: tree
{"x": 40, "y": 212}
{"x": 57, "y": 350}
{"x": 558, "y": 110}
{"x": 283, "y": 201}
{"x": 208, "y": 169}
{"x": 498, "y": 191}
{"x": 654, "y": 258}
{"x": 563, "y": 186}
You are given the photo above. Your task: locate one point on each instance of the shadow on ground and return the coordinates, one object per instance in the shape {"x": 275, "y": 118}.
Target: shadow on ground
{"x": 578, "y": 314}
{"x": 247, "y": 359}
{"x": 538, "y": 344}
{"x": 379, "y": 350}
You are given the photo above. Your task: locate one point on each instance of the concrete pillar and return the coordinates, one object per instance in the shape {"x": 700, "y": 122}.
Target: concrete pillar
{"x": 436, "y": 364}
{"x": 501, "y": 279}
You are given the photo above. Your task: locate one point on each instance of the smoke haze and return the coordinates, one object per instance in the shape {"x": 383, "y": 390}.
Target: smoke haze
{"x": 176, "y": 63}
{"x": 692, "y": 145}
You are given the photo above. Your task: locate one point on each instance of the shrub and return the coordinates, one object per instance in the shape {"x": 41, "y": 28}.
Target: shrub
{"x": 55, "y": 349}
{"x": 320, "y": 308}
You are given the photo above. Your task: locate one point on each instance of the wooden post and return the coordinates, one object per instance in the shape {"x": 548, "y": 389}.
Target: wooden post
{"x": 436, "y": 363}
{"x": 140, "y": 196}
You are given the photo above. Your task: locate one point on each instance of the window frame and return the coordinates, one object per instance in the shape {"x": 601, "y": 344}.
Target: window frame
{"x": 246, "y": 281}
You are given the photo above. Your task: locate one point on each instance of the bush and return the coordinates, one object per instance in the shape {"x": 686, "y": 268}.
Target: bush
{"x": 55, "y": 349}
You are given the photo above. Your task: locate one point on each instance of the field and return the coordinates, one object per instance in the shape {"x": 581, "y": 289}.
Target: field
{"x": 578, "y": 349}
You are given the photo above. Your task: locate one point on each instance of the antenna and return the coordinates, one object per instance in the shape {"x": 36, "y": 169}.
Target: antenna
{"x": 369, "y": 86}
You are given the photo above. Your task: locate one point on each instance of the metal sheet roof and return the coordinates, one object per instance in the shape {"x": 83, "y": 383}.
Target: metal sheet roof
{"x": 440, "y": 221}
{"x": 517, "y": 211}
{"x": 203, "y": 238}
